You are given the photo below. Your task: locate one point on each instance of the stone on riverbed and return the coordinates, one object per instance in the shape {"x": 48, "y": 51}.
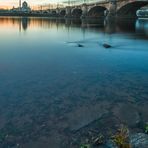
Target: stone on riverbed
{"x": 139, "y": 140}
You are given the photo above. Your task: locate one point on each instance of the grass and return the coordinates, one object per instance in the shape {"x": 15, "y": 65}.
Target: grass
{"x": 121, "y": 138}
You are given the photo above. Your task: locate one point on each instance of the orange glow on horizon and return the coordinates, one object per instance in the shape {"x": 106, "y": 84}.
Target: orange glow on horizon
{"x": 33, "y": 4}
{"x": 5, "y": 7}
{"x": 35, "y": 7}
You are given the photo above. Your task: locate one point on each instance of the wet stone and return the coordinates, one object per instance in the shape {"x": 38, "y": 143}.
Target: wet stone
{"x": 80, "y": 45}
{"x": 139, "y": 140}
{"x": 107, "y": 45}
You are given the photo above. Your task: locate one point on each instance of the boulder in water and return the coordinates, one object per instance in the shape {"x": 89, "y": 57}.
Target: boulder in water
{"x": 80, "y": 45}
{"x": 107, "y": 45}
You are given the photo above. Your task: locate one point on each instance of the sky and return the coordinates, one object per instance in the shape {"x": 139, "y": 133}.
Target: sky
{"x": 11, "y": 3}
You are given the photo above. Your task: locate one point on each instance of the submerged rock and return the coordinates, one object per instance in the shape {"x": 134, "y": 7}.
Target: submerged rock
{"x": 139, "y": 140}
{"x": 80, "y": 45}
{"x": 107, "y": 45}
{"x": 110, "y": 144}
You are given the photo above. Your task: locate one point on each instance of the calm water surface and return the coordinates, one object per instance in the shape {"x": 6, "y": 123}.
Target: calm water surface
{"x": 54, "y": 94}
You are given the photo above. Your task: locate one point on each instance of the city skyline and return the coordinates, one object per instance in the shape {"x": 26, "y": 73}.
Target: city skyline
{"x": 36, "y": 4}
{"x": 7, "y": 4}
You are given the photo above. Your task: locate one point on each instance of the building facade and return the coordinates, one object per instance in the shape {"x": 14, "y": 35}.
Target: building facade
{"x": 24, "y": 7}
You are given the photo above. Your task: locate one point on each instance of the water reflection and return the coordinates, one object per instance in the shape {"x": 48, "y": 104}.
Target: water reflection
{"x": 109, "y": 26}
{"x": 142, "y": 26}
{"x": 25, "y": 23}
{"x": 126, "y": 25}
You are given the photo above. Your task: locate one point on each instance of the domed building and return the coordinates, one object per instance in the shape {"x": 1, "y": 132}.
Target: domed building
{"x": 22, "y": 7}
{"x": 25, "y": 7}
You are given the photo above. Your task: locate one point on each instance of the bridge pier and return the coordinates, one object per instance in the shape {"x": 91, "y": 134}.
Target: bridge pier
{"x": 84, "y": 11}
{"x": 68, "y": 12}
{"x": 109, "y": 9}
{"x": 57, "y": 11}
{"x": 112, "y": 8}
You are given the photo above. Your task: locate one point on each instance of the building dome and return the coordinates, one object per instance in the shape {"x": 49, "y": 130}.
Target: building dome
{"x": 24, "y": 5}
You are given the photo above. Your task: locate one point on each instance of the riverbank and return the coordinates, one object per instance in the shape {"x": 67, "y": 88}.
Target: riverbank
{"x": 56, "y": 16}
{"x": 121, "y": 138}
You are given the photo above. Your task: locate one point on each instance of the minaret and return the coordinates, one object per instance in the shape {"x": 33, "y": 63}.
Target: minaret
{"x": 20, "y": 4}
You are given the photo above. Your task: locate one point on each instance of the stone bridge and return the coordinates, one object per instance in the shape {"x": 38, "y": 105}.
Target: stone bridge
{"x": 120, "y": 8}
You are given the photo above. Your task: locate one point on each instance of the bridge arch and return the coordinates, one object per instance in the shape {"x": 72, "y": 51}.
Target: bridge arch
{"x": 96, "y": 11}
{"x": 129, "y": 8}
{"x": 76, "y": 12}
{"x": 53, "y": 12}
{"x": 63, "y": 12}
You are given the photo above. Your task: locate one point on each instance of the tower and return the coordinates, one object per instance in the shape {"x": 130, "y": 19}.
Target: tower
{"x": 20, "y": 4}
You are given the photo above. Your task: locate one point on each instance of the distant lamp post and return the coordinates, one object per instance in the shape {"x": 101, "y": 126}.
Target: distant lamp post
{"x": 20, "y": 5}
{"x": 41, "y": 8}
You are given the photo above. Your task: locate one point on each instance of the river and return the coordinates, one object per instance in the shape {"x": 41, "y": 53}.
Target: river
{"x": 55, "y": 94}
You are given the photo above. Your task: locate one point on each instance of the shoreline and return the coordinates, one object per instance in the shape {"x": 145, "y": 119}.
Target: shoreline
{"x": 54, "y": 16}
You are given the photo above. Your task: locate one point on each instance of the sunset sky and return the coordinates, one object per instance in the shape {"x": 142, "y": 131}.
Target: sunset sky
{"x": 11, "y": 3}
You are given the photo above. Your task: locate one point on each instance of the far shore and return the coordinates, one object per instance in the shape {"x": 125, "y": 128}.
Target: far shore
{"x": 55, "y": 16}
{"x": 28, "y": 14}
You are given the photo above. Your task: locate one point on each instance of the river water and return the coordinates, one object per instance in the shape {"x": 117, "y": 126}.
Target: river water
{"x": 55, "y": 94}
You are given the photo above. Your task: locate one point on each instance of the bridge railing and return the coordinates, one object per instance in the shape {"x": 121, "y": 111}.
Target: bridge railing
{"x": 75, "y": 3}
{"x": 81, "y": 2}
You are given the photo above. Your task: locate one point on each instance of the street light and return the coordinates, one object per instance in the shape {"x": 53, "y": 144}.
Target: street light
{"x": 20, "y": 4}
